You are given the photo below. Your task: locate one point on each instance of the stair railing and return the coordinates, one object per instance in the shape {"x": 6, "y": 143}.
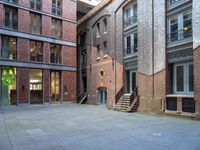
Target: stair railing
{"x": 134, "y": 94}
{"x": 80, "y": 96}
{"x": 119, "y": 95}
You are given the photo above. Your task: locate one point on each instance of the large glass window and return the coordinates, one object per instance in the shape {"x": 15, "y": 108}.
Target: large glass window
{"x": 55, "y": 52}
{"x": 35, "y": 4}
{"x": 56, "y": 7}
{"x": 36, "y": 51}
{"x": 105, "y": 25}
{"x": 130, "y": 44}
{"x": 98, "y": 30}
{"x": 11, "y": 1}
{"x": 36, "y": 86}
{"x": 35, "y": 23}
{"x": 83, "y": 41}
{"x": 9, "y": 47}
{"x": 130, "y": 15}
{"x": 8, "y": 86}
{"x": 11, "y": 18}
{"x": 180, "y": 27}
{"x": 183, "y": 78}
{"x": 56, "y": 28}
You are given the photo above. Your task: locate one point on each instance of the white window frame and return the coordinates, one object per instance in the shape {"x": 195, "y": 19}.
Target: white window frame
{"x": 186, "y": 78}
{"x": 132, "y": 41}
{"x": 180, "y": 18}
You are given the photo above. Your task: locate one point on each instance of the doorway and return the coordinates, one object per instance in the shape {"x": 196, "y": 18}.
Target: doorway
{"x": 102, "y": 96}
{"x": 55, "y": 86}
{"x": 8, "y": 86}
{"x": 132, "y": 81}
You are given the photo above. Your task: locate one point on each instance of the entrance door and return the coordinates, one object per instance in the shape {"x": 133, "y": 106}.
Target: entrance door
{"x": 132, "y": 81}
{"x": 8, "y": 86}
{"x": 102, "y": 96}
{"x": 55, "y": 86}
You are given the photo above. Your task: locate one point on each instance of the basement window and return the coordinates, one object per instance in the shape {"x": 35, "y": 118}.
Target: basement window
{"x": 188, "y": 105}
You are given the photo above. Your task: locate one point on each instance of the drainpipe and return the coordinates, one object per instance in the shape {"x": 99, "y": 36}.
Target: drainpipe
{"x": 153, "y": 94}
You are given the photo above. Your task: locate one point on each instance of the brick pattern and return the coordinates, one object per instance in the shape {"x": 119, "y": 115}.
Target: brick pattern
{"x": 69, "y": 86}
{"x": 1, "y": 16}
{"x": 67, "y": 8}
{"x": 197, "y": 81}
{"x": 24, "y": 3}
{"x": 46, "y": 28}
{"x": 23, "y": 20}
{"x": 46, "y": 6}
{"x": 69, "y": 54}
{"x": 23, "y": 85}
{"x": 46, "y": 52}
{"x": 23, "y": 50}
{"x": 69, "y": 29}
{"x": 46, "y": 85}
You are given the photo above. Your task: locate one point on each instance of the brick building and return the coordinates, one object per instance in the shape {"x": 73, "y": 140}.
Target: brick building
{"x": 38, "y": 51}
{"x": 141, "y": 56}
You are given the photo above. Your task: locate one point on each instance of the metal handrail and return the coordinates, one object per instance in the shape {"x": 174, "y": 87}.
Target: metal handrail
{"x": 119, "y": 95}
{"x": 134, "y": 94}
{"x": 80, "y": 96}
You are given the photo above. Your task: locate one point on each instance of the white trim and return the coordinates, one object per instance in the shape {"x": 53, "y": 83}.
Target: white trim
{"x": 186, "y": 78}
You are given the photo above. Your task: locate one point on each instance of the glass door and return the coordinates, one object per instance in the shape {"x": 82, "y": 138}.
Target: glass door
{"x": 102, "y": 96}
{"x": 132, "y": 81}
{"x": 55, "y": 86}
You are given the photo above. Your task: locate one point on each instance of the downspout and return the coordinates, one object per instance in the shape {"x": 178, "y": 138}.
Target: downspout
{"x": 115, "y": 55}
{"x": 153, "y": 94}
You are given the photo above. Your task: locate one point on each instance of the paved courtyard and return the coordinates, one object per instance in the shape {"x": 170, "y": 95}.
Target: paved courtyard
{"x": 86, "y": 127}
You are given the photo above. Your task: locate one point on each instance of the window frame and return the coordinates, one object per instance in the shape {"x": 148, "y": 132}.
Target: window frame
{"x": 54, "y": 31}
{"x": 36, "y": 44}
{"x": 8, "y": 48}
{"x": 34, "y": 23}
{"x": 133, "y": 50}
{"x": 12, "y": 12}
{"x": 35, "y": 3}
{"x": 56, "y": 7}
{"x": 186, "y": 87}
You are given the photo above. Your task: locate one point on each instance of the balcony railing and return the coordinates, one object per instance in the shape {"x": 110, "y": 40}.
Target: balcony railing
{"x": 130, "y": 50}
{"x": 130, "y": 21}
{"x": 172, "y": 2}
{"x": 179, "y": 35}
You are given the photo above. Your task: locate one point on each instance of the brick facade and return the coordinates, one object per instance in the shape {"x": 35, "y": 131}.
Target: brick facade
{"x": 67, "y": 67}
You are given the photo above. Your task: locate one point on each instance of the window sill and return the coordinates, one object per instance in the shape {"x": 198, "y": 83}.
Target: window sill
{"x": 98, "y": 59}
{"x": 105, "y": 56}
{"x": 181, "y": 95}
{"x": 97, "y": 36}
{"x": 105, "y": 32}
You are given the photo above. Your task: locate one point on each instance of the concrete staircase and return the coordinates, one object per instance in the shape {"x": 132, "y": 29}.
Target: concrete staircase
{"x": 128, "y": 102}
{"x": 124, "y": 103}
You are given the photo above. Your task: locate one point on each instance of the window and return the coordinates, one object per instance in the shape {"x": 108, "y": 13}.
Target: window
{"x": 131, "y": 44}
{"x": 56, "y": 7}
{"x": 188, "y": 105}
{"x": 98, "y": 52}
{"x": 180, "y": 26}
{"x": 83, "y": 43}
{"x": 83, "y": 58}
{"x": 11, "y": 18}
{"x": 35, "y": 23}
{"x": 56, "y": 28}
{"x": 36, "y": 86}
{"x": 35, "y": 4}
{"x": 171, "y": 2}
{"x": 55, "y": 54}
{"x": 183, "y": 78}
{"x": 105, "y": 25}
{"x": 130, "y": 15}
{"x": 98, "y": 30}
{"x": 105, "y": 47}
{"x": 11, "y": 1}
{"x": 187, "y": 24}
{"x": 9, "y": 47}
{"x": 36, "y": 51}
{"x": 171, "y": 103}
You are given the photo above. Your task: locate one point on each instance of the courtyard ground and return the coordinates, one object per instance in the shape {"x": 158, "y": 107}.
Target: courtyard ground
{"x": 87, "y": 127}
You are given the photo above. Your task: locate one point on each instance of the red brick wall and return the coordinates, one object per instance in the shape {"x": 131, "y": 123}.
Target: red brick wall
{"x": 23, "y": 49}
{"x": 46, "y": 25}
{"x": 46, "y": 52}
{"x": 46, "y": 6}
{"x": 197, "y": 80}
{"x": 69, "y": 55}
{"x": 23, "y": 20}
{"x": 46, "y": 85}
{"x": 23, "y": 85}
{"x": 69, "y": 86}
{"x": 69, "y": 30}
{"x": 69, "y": 9}
{"x": 24, "y": 3}
{"x": 1, "y": 16}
